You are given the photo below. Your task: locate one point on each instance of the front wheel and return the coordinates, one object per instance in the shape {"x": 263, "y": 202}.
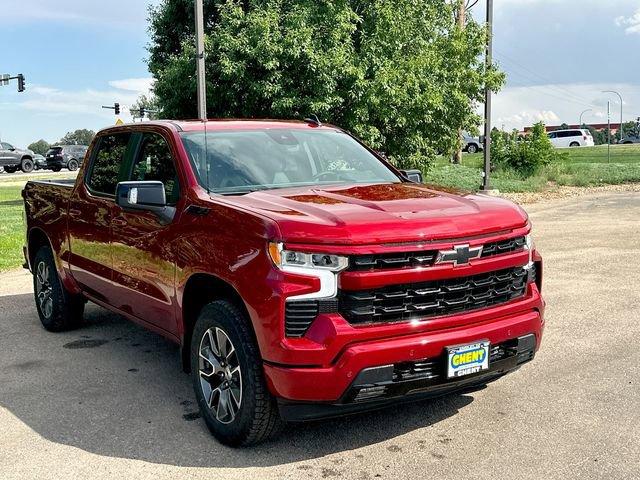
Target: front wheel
{"x": 574, "y": 144}
{"x": 26, "y": 165}
{"x": 58, "y": 309}
{"x": 472, "y": 148}
{"x": 228, "y": 379}
{"x": 72, "y": 165}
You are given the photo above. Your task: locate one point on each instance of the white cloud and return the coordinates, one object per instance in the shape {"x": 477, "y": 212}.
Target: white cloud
{"x": 630, "y": 24}
{"x": 119, "y": 13}
{"x": 518, "y": 107}
{"x": 139, "y": 85}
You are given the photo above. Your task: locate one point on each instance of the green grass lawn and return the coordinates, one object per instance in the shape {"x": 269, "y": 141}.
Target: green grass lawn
{"x": 11, "y": 226}
{"x": 588, "y": 166}
{"x": 11, "y": 222}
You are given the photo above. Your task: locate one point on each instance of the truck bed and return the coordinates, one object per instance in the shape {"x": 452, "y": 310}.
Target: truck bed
{"x": 46, "y": 204}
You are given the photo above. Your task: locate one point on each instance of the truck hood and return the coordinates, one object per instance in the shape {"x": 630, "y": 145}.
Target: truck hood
{"x": 380, "y": 213}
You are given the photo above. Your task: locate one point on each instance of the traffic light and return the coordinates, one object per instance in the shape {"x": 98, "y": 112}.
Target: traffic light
{"x": 21, "y": 83}
{"x": 116, "y": 107}
{"x": 142, "y": 112}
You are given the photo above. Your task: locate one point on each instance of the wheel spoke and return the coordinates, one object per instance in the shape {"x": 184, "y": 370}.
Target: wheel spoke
{"x": 221, "y": 339}
{"x": 212, "y": 342}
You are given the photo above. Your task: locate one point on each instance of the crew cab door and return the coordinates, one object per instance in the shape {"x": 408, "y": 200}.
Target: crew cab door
{"x": 143, "y": 258}
{"x": 90, "y": 213}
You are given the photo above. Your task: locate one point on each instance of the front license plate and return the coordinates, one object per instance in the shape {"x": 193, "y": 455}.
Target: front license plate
{"x": 467, "y": 359}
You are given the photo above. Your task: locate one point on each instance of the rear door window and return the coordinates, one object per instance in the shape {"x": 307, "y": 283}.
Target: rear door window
{"x": 107, "y": 163}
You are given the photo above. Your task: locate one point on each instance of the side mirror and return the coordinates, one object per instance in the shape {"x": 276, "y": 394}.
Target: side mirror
{"x": 414, "y": 176}
{"x": 146, "y": 196}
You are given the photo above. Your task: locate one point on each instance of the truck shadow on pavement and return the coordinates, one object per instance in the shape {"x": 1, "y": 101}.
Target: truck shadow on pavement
{"x": 115, "y": 389}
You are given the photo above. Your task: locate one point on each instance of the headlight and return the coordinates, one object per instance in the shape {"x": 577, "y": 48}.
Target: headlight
{"x": 288, "y": 258}
{"x": 530, "y": 246}
{"x": 323, "y": 266}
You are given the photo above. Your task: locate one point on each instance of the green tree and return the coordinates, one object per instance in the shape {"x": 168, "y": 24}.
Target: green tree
{"x": 525, "y": 155}
{"x": 78, "y": 137}
{"x": 40, "y": 147}
{"x": 564, "y": 126}
{"x": 149, "y": 103}
{"x": 398, "y": 73}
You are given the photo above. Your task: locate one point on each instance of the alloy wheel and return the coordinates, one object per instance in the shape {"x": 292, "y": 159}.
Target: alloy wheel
{"x": 220, "y": 375}
{"x": 44, "y": 291}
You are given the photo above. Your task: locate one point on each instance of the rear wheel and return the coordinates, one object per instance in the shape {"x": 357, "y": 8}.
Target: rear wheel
{"x": 10, "y": 169}
{"x": 58, "y": 309}
{"x": 56, "y": 169}
{"x": 72, "y": 165}
{"x": 574, "y": 144}
{"x": 228, "y": 378}
{"x": 26, "y": 165}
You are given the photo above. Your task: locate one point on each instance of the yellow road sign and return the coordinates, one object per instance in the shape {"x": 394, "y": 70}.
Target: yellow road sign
{"x": 119, "y": 122}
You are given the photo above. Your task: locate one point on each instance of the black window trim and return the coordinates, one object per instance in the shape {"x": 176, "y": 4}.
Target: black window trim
{"x": 138, "y": 138}
{"x": 94, "y": 152}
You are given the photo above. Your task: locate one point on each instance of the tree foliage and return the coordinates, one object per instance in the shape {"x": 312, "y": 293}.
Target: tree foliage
{"x": 525, "y": 155}
{"x": 78, "y": 137}
{"x": 399, "y": 74}
{"x": 39, "y": 147}
{"x": 149, "y": 103}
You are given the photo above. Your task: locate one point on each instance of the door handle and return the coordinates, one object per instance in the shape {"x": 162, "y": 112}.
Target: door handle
{"x": 74, "y": 212}
{"x": 119, "y": 222}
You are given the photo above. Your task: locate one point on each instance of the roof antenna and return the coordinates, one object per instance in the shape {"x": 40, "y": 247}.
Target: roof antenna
{"x": 314, "y": 120}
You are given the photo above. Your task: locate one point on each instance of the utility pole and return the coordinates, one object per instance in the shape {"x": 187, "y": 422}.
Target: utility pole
{"x": 620, "y": 97}
{"x": 487, "y": 99}
{"x": 608, "y": 131}
{"x": 462, "y": 20}
{"x": 200, "y": 53}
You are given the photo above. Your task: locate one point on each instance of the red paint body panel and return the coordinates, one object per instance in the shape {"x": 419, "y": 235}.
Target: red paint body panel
{"x": 132, "y": 264}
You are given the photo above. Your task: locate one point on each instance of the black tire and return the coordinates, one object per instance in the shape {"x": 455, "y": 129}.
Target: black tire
{"x": 10, "y": 169}
{"x": 56, "y": 169}
{"x": 256, "y": 418}
{"x": 574, "y": 144}
{"x": 27, "y": 165}
{"x": 472, "y": 148}
{"x": 72, "y": 165}
{"x": 65, "y": 310}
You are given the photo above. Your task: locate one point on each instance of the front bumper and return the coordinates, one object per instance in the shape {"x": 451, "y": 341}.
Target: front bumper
{"x": 378, "y": 387}
{"x": 333, "y": 384}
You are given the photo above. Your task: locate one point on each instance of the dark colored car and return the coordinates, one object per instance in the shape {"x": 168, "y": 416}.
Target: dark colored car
{"x": 302, "y": 275}
{"x": 65, "y": 156}
{"x": 40, "y": 163}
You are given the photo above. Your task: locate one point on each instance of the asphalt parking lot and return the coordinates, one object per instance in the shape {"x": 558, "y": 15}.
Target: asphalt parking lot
{"x": 110, "y": 401}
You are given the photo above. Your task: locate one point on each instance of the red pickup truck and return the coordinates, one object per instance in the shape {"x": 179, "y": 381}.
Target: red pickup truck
{"x": 303, "y": 275}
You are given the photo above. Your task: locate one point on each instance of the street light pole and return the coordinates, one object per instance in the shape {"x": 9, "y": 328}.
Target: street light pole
{"x": 587, "y": 110}
{"x": 202, "y": 87}
{"x": 620, "y": 97}
{"x": 487, "y": 99}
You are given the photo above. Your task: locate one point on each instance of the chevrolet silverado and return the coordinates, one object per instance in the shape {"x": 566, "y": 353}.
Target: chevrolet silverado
{"x": 303, "y": 276}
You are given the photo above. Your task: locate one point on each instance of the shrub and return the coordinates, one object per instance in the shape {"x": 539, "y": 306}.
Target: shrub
{"x": 526, "y": 155}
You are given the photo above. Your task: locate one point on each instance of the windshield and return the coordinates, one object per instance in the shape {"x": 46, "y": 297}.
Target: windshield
{"x": 232, "y": 162}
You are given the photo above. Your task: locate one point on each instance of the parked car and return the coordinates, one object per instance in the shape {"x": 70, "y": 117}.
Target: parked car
{"x": 40, "y": 163}
{"x": 13, "y": 159}
{"x": 571, "y": 138}
{"x": 65, "y": 156}
{"x": 629, "y": 140}
{"x": 302, "y": 275}
{"x": 471, "y": 144}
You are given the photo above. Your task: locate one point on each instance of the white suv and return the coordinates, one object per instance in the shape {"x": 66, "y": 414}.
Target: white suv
{"x": 571, "y": 138}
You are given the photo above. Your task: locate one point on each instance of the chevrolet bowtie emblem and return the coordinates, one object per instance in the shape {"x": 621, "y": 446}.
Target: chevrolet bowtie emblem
{"x": 460, "y": 255}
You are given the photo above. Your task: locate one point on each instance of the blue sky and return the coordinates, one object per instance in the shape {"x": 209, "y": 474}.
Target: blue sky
{"x": 78, "y": 55}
